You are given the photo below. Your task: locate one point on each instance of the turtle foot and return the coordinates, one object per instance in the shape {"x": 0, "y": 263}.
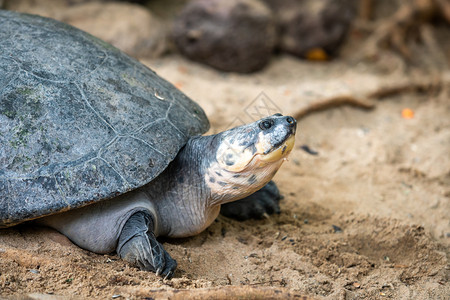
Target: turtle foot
{"x": 138, "y": 245}
{"x": 256, "y": 206}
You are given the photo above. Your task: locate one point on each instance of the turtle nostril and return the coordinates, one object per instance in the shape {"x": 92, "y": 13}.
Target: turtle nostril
{"x": 290, "y": 120}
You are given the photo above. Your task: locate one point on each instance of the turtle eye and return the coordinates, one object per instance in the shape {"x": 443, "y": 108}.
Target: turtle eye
{"x": 266, "y": 124}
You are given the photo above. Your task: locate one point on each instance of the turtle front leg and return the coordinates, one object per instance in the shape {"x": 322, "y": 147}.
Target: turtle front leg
{"x": 256, "y": 206}
{"x": 138, "y": 245}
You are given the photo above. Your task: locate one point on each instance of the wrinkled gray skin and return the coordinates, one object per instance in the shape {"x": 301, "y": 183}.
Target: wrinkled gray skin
{"x": 97, "y": 146}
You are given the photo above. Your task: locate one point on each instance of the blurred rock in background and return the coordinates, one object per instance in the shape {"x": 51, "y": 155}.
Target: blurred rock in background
{"x": 313, "y": 29}
{"x": 86, "y": 1}
{"x": 234, "y": 35}
{"x": 129, "y": 27}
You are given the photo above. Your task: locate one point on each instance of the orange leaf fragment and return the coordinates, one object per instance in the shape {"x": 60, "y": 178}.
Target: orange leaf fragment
{"x": 407, "y": 113}
{"x": 316, "y": 54}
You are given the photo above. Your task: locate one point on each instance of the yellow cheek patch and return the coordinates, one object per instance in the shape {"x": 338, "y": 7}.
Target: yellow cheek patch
{"x": 280, "y": 152}
{"x": 263, "y": 144}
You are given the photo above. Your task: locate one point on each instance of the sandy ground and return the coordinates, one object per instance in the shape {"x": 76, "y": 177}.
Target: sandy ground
{"x": 367, "y": 216}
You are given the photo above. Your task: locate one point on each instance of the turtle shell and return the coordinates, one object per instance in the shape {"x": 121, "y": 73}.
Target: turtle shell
{"x": 80, "y": 121}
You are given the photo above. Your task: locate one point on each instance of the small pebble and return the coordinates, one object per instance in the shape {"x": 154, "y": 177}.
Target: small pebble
{"x": 116, "y": 296}
{"x": 407, "y": 185}
{"x": 284, "y": 237}
{"x": 229, "y": 276}
{"x": 306, "y": 221}
{"x": 309, "y": 150}
{"x": 337, "y": 229}
{"x": 34, "y": 271}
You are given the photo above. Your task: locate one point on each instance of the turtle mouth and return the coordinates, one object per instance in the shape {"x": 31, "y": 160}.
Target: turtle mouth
{"x": 261, "y": 159}
{"x": 276, "y": 154}
{"x": 279, "y": 152}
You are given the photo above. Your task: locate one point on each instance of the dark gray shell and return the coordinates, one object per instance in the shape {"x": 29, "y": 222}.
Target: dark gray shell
{"x": 79, "y": 120}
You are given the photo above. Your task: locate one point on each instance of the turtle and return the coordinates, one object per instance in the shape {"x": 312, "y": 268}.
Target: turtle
{"x": 97, "y": 146}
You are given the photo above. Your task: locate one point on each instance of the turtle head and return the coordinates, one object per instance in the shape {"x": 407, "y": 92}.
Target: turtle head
{"x": 256, "y": 145}
{"x": 248, "y": 156}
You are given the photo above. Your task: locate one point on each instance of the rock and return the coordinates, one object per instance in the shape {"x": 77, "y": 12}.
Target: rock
{"x": 46, "y": 8}
{"x": 129, "y": 27}
{"x": 313, "y": 29}
{"x": 85, "y": 1}
{"x": 233, "y": 35}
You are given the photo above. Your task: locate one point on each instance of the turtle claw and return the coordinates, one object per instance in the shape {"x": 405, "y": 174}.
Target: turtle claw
{"x": 169, "y": 267}
{"x": 259, "y": 205}
{"x": 169, "y": 275}
{"x": 138, "y": 245}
